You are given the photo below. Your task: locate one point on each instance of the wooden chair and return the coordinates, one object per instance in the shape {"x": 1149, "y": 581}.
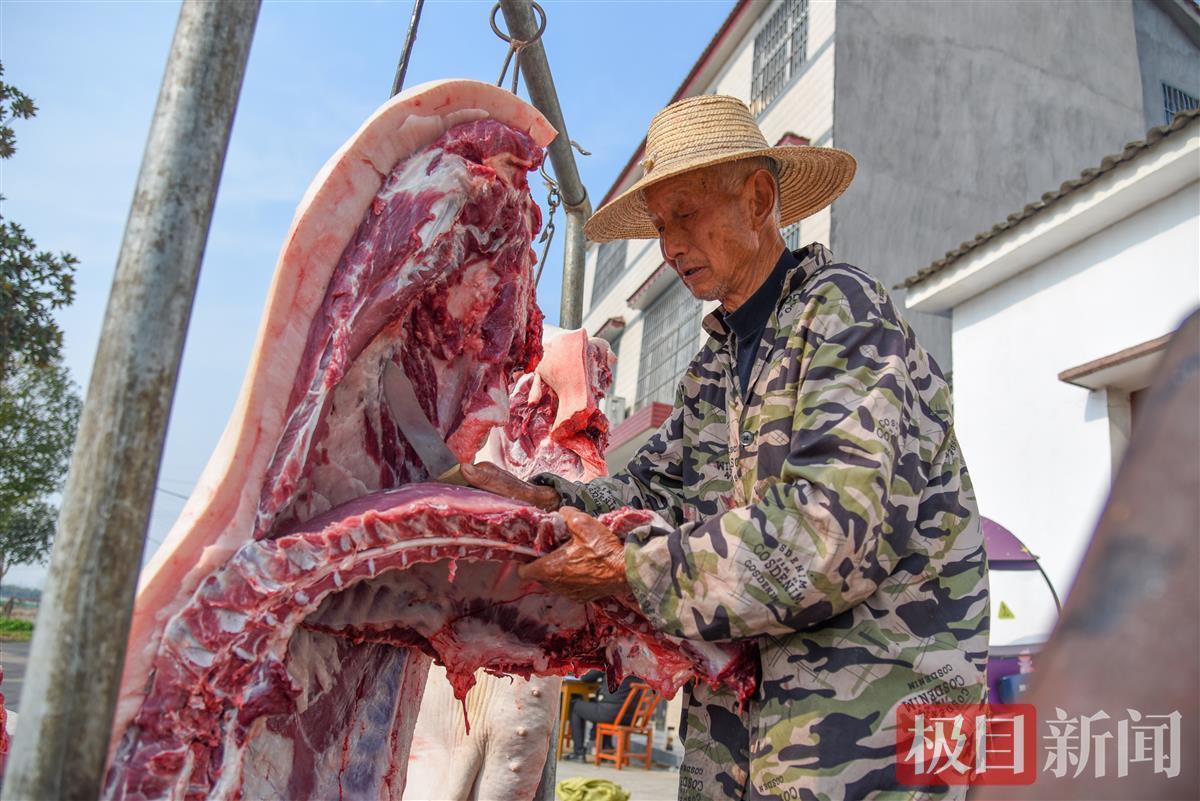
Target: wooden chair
{"x": 642, "y": 701}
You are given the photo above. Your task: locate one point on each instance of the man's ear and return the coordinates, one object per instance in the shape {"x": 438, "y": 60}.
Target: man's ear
{"x": 762, "y": 198}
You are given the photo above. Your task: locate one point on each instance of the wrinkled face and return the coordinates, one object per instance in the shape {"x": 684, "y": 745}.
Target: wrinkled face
{"x": 705, "y": 231}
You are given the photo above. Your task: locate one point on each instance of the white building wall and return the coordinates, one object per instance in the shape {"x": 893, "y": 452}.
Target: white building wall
{"x": 1039, "y": 449}
{"x": 626, "y": 374}
{"x": 735, "y": 77}
{"x": 589, "y": 278}
{"x": 642, "y": 258}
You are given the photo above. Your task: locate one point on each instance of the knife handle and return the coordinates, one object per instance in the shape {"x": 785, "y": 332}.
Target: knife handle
{"x": 454, "y": 476}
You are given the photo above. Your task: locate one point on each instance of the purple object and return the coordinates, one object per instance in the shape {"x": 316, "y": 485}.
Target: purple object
{"x": 1005, "y": 661}
{"x": 997, "y": 668}
{"x": 1004, "y": 550}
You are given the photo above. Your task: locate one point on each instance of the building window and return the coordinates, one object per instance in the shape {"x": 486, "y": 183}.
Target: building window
{"x": 791, "y": 236}
{"x": 1175, "y": 101}
{"x": 670, "y": 337}
{"x": 610, "y": 263}
{"x": 780, "y": 48}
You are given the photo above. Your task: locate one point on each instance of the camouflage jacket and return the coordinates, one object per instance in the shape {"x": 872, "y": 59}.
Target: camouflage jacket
{"x": 828, "y": 515}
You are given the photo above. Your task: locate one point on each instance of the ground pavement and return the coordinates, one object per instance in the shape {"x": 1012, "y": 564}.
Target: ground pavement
{"x": 13, "y": 658}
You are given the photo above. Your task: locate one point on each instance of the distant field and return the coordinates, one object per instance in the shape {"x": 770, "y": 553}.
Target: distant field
{"x": 24, "y": 613}
{"x": 14, "y": 629}
{"x": 22, "y": 610}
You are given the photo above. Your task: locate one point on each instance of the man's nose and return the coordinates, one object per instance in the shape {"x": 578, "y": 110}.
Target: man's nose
{"x": 674, "y": 246}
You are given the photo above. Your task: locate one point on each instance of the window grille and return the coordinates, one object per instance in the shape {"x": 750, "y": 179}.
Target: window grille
{"x": 780, "y": 48}
{"x": 670, "y": 339}
{"x": 1176, "y": 100}
{"x": 610, "y": 264}
{"x": 791, "y": 236}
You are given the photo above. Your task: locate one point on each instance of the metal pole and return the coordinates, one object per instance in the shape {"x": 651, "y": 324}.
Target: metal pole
{"x": 83, "y": 626}
{"x": 402, "y": 67}
{"x": 546, "y": 787}
{"x": 574, "y": 253}
{"x": 518, "y": 16}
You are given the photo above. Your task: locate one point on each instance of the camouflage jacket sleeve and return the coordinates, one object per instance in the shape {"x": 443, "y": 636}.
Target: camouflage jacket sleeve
{"x": 821, "y": 534}
{"x": 652, "y": 479}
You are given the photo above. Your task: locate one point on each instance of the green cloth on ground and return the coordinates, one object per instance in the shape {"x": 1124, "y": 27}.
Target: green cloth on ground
{"x": 581, "y": 789}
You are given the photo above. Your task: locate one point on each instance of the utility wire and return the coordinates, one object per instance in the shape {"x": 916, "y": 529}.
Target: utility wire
{"x": 172, "y": 493}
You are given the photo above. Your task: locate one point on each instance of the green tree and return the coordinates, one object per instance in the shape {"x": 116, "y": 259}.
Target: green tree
{"x": 27, "y": 535}
{"x": 39, "y": 407}
{"x": 33, "y": 283}
{"x": 39, "y": 413}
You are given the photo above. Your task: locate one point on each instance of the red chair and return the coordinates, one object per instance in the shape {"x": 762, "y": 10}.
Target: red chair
{"x": 642, "y": 701}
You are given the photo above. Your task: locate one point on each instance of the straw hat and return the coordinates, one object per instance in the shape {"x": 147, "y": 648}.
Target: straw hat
{"x": 713, "y": 129}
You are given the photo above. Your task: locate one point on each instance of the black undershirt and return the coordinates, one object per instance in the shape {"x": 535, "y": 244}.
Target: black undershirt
{"x": 749, "y": 321}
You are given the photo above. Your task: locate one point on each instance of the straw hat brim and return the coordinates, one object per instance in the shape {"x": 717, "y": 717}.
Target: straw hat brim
{"x": 810, "y": 178}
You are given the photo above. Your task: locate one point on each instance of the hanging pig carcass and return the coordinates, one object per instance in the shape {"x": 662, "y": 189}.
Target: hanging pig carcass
{"x": 283, "y": 632}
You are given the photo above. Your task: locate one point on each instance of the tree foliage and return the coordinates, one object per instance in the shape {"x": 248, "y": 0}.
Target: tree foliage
{"x": 27, "y": 535}
{"x": 39, "y": 407}
{"x": 33, "y": 283}
{"x": 39, "y": 414}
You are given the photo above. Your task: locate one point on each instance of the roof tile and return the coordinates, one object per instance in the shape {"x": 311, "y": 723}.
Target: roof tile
{"x": 1181, "y": 120}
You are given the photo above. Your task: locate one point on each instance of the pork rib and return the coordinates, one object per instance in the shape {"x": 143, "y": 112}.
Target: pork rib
{"x": 424, "y": 568}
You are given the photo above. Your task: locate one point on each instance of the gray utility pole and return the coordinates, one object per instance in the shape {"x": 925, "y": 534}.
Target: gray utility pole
{"x": 518, "y": 15}
{"x": 79, "y": 642}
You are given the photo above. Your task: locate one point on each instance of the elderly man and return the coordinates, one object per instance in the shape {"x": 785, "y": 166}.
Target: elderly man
{"x": 815, "y": 497}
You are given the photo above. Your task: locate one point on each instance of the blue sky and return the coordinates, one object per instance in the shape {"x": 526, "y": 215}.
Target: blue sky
{"x": 316, "y": 71}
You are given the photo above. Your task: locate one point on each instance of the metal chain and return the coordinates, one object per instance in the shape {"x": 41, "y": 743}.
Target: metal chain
{"x": 553, "y": 198}
{"x": 513, "y": 56}
{"x": 515, "y": 46}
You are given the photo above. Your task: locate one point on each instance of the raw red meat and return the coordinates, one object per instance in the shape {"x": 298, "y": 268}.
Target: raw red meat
{"x": 3, "y": 728}
{"x": 283, "y": 633}
{"x": 436, "y": 278}
{"x": 356, "y": 449}
{"x": 555, "y": 423}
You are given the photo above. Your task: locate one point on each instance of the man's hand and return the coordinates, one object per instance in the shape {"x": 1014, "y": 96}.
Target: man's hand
{"x": 589, "y": 566}
{"x": 487, "y": 476}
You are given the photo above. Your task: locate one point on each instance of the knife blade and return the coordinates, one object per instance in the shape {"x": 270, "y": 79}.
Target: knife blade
{"x": 440, "y": 462}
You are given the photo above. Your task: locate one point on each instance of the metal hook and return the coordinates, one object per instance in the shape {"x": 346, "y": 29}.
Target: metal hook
{"x": 515, "y": 46}
{"x": 579, "y": 147}
{"x": 538, "y": 35}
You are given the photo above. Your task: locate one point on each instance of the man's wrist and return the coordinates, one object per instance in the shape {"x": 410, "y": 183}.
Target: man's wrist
{"x": 616, "y": 564}
{"x": 553, "y": 500}
{"x": 544, "y": 486}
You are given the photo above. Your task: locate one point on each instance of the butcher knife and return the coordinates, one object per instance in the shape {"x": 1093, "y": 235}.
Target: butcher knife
{"x": 440, "y": 462}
